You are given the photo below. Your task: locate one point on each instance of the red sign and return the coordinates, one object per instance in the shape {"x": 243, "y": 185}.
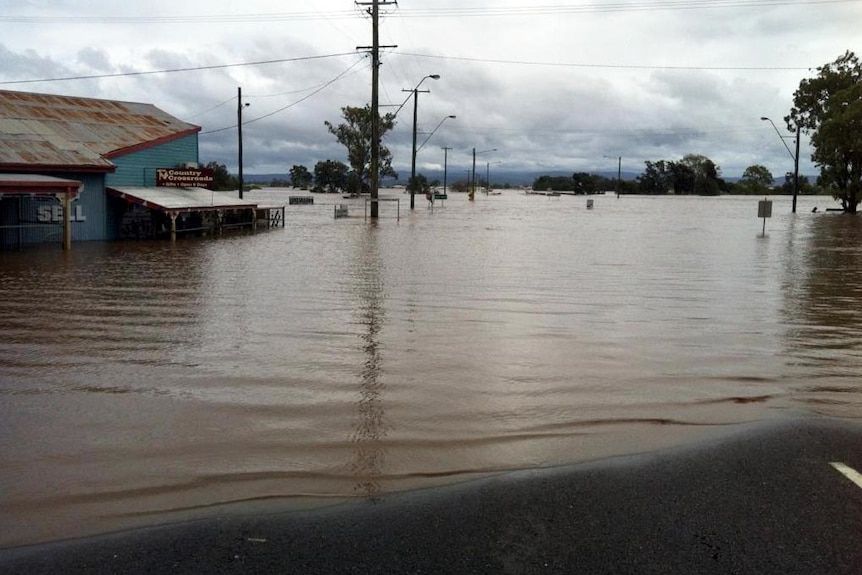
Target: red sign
{"x": 184, "y": 178}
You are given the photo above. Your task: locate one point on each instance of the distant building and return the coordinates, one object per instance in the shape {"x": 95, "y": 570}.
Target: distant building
{"x": 76, "y": 169}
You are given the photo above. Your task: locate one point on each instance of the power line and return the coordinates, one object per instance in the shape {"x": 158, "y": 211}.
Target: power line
{"x": 304, "y": 98}
{"x": 655, "y": 5}
{"x": 612, "y": 66}
{"x": 174, "y": 70}
{"x": 197, "y": 18}
{"x": 210, "y": 109}
{"x": 475, "y": 12}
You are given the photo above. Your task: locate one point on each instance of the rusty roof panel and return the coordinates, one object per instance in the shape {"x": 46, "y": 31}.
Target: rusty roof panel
{"x": 46, "y": 129}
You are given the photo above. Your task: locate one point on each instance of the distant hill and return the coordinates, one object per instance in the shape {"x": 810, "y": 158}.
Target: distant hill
{"x": 514, "y": 178}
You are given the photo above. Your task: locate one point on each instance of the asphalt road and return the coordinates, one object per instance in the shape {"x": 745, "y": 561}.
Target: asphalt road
{"x": 764, "y": 500}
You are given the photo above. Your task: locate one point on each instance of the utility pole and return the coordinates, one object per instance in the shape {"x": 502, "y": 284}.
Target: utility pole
{"x": 239, "y": 135}
{"x": 472, "y": 193}
{"x": 374, "y": 12}
{"x": 415, "y": 91}
{"x": 792, "y": 155}
{"x": 445, "y": 166}
{"x": 796, "y": 168}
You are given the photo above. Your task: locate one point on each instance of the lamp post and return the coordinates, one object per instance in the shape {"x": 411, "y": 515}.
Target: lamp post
{"x": 239, "y": 107}
{"x": 619, "y": 160}
{"x": 445, "y": 166}
{"x": 792, "y": 155}
{"x": 415, "y": 114}
{"x": 472, "y": 193}
{"x": 422, "y": 145}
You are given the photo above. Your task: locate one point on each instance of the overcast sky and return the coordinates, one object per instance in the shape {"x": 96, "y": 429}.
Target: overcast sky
{"x": 565, "y": 86}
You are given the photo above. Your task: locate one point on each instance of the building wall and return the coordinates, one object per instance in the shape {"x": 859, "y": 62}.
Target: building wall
{"x": 139, "y": 168}
{"x": 95, "y": 215}
{"x": 41, "y": 218}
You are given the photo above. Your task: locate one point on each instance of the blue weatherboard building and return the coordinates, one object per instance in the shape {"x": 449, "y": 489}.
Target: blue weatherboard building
{"x": 77, "y": 169}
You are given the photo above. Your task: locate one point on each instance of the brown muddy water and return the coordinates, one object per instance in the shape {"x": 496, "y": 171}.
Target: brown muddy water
{"x": 142, "y": 383}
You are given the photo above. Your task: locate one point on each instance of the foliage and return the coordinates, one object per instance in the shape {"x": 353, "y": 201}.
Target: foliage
{"x": 693, "y": 174}
{"x": 584, "y": 183}
{"x": 579, "y": 183}
{"x": 553, "y": 184}
{"x": 330, "y": 176}
{"x": 461, "y": 186}
{"x": 756, "y": 179}
{"x": 222, "y": 180}
{"x": 627, "y": 186}
{"x": 704, "y": 172}
{"x": 300, "y": 177}
{"x": 418, "y": 184}
{"x": 828, "y": 107}
{"x": 355, "y": 134}
{"x": 805, "y": 186}
{"x": 657, "y": 178}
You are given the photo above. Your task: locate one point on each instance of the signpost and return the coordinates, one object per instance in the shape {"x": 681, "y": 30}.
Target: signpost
{"x": 764, "y": 210}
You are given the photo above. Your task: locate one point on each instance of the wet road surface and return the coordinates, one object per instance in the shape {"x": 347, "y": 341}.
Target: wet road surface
{"x": 767, "y": 498}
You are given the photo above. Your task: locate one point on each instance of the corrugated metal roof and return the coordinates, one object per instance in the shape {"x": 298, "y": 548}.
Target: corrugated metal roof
{"x": 50, "y": 130}
{"x": 181, "y": 199}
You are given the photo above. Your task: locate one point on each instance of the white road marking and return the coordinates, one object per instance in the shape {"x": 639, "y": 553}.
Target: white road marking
{"x": 848, "y": 472}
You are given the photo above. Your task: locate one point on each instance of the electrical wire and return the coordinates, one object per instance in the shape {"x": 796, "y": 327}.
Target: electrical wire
{"x": 467, "y": 12}
{"x": 292, "y": 104}
{"x": 175, "y": 70}
{"x": 611, "y": 66}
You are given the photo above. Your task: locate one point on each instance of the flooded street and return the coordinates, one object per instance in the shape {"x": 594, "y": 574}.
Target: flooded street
{"x": 145, "y": 382}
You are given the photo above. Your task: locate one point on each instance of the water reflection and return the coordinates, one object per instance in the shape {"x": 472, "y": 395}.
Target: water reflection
{"x": 822, "y": 292}
{"x": 339, "y": 358}
{"x": 368, "y": 290}
{"x": 102, "y": 317}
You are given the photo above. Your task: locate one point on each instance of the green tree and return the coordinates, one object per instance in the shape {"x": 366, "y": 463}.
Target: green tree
{"x": 419, "y": 184}
{"x": 330, "y": 176}
{"x": 222, "y": 180}
{"x": 584, "y": 183}
{"x": 805, "y": 186}
{"x": 553, "y": 183}
{"x": 355, "y": 135}
{"x": 755, "y": 179}
{"x": 461, "y": 186}
{"x": 656, "y": 179}
{"x": 683, "y": 178}
{"x": 828, "y": 108}
{"x": 300, "y": 177}
{"x": 705, "y": 174}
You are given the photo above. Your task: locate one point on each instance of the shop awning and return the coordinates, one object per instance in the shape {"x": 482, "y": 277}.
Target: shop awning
{"x": 38, "y": 185}
{"x": 179, "y": 200}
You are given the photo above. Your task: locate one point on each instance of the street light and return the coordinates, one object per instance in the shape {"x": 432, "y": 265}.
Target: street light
{"x": 415, "y": 113}
{"x": 792, "y": 155}
{"x": 473, "y": 179}
{"x": 422, "y": 145}
{"x": 445, "y": 166}
{"x": 619, "y": 160}
{"x": 488, "y": 174}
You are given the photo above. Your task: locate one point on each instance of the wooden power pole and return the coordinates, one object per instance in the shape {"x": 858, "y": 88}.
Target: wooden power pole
{"x": 374, "y": 11}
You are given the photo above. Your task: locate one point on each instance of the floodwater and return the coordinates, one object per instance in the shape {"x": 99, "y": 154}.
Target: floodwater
{"x": 147, "y": 382}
